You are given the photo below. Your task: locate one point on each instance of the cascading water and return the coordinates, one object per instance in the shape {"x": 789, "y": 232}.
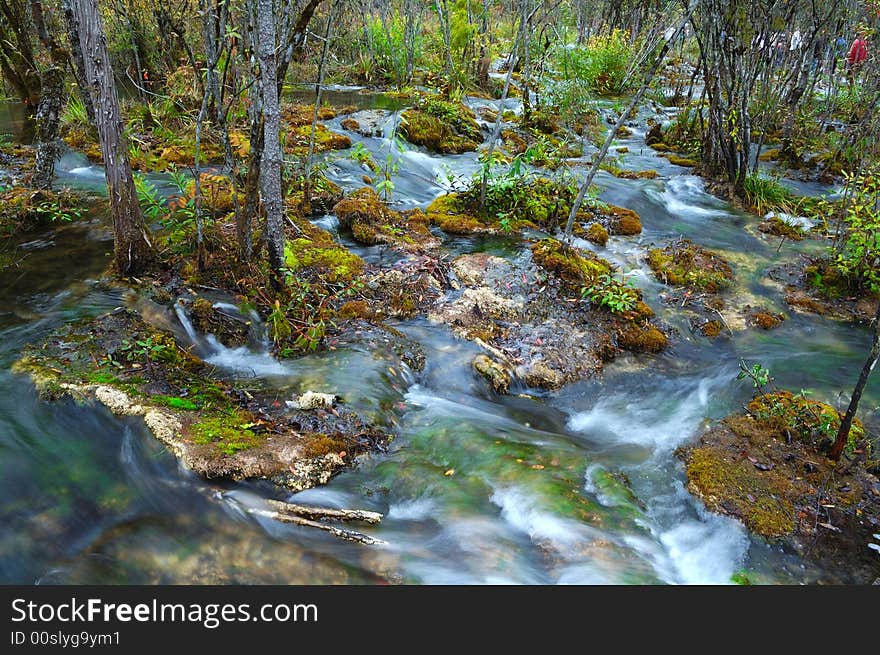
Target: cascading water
{"x": 580, "y": 485}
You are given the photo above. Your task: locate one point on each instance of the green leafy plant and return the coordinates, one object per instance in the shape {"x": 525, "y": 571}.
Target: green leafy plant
{"x": 618, "y": 296}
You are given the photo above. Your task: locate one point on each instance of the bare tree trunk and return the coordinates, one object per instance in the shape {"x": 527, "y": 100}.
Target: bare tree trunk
{"x": 79, "y": 65}
{"x": 132, "y": 250}
{"x": 612, "y": 133}
{"x": 51, "y": 98}
{"x": 47, "y": 119}
{"x": 849, "y": 417}
{"x": 443, "y": 15}
{"x": 307, "y": 186}
{"x": 270, "y": 166}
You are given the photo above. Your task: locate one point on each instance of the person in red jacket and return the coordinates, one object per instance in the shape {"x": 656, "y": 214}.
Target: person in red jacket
{"x": 858, "y": 52}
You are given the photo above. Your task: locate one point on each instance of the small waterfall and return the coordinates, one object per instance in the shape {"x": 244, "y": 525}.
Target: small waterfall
{"x": 240, "y": 360}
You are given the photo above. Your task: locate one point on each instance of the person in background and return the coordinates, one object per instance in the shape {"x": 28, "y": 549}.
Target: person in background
{"x": 858, "y": 53}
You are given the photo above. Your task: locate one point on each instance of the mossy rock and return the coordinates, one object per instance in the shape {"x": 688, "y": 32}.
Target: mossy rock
{"x": 371, "y": 221}
{"x": 777, "y": 227}
{"x": 449, "y": 214}
{"x": 325, "y": 140}
{"x": 683, "y": 263}
{"x": 329, "y": 262}
{"x": 441, "y": 126}
{"x": 766, "y": 320}
{"x": 494, "y": 373}
{"x": 641, "y": 339}
{"x": 597, "y": 234}
{"x": 678, "y": 160}
{"x": 711, "y": 329}
{"x": 758, "y": 498}
{"x": 576, "y": 267}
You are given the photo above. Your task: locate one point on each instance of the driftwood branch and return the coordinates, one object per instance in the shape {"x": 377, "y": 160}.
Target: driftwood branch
{"x": 319, "y": 513}
{"x": 341, "y": 533}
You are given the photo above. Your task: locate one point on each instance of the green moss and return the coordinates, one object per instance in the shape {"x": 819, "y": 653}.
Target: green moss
{"x": 330, "y": 261}
{"x": 569, "y": 264}
{"x": 740, "y": 578}
{"x": 372, "y": 222}
{"x": 757, "y": 497}
{"x": 448, "y": 213}
{"x": 422, "y": 129}
{"x": 686, "y": 264}
{"x": 229, "y": 434}
{"x": 176, "y": 402}
{"x": 636, "y": 338}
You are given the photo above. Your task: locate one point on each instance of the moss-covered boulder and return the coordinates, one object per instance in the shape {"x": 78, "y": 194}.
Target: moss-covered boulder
{"x": 576, "y": 267}
{"x": 768, "y": 468}
{"x": 371, "y": 221}
{"x": 684, "y": 263}
{"x": 441, "y": 126}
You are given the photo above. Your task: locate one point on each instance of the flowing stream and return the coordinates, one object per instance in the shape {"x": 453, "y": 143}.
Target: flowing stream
{"x": 476, "y": 488}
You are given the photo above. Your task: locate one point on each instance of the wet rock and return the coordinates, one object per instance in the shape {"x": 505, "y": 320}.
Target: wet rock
{"x": 495, "y": 373}
{"x": 684, "y": 263}
{"x": 538, "y": 374}
{"x": 230, "y": 330}
{"x": 313, "y": 400}
{"x": 367, "y": 122}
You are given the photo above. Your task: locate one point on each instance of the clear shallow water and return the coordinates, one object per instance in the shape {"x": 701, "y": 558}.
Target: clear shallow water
{"x": 475, "y": 488}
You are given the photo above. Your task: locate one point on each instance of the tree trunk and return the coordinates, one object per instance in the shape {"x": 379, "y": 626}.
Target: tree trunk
{"x": 849, "y": 417}
{"x": 79, "y": 65}
{"x": 47, "y": 119}
{"x": 51, "y": 98}
{"x": 132, "y": 249}
{"x": 307, "y": 186}
{"x": 270, "y": 166}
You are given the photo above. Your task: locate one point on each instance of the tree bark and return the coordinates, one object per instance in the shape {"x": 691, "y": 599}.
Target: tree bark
{"x": 47, "y": 119}
{"x": 79, "y": 65}
{"x": 132, "y": 250}
{"x": 271, "y": 160}
{"x": 849, "y": 417}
